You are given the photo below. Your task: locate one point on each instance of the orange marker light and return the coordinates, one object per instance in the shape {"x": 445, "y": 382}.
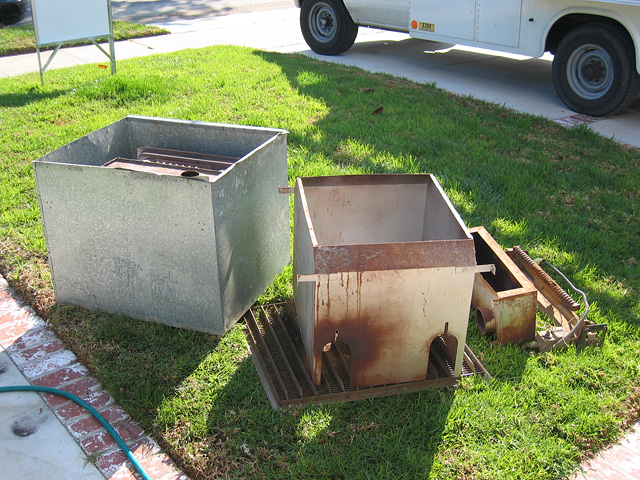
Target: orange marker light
{"x": 414, "y": 24}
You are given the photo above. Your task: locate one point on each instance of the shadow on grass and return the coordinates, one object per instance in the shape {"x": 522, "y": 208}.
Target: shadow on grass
{"x": 118, "y": 346}
{"x": 393, "y": 437}
{"x": 33, "y": 96}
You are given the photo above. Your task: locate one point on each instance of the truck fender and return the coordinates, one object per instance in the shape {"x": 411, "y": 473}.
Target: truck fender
{"x": 611, "y": 16}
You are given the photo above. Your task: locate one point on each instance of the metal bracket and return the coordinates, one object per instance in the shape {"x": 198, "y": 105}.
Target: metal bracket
{"x": 488, "y": 268}
{"x": 592, "y": 336}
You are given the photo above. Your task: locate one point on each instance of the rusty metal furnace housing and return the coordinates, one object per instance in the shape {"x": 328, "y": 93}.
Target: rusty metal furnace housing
{"x": 384, "y": 264}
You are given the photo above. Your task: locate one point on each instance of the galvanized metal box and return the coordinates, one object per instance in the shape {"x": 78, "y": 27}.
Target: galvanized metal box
{"x": 384, "y": 264}
{"x": 188, "y": 251}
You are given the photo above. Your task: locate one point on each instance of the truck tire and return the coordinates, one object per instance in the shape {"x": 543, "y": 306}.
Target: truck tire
{"x": 594, "y": 70}
{"x": 327, "y": 26}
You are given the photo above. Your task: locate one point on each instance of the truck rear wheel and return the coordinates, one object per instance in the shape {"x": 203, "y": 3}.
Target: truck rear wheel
{"x": 594, "y": 70}
{"x": 327, "y": 27}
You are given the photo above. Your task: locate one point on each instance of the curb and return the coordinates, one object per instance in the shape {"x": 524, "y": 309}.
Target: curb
{"x": 42, "y": 358}
{"x": 616, "y": 462}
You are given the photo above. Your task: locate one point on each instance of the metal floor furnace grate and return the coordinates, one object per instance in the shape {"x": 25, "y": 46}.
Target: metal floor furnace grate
{"x": 278, "y": 354}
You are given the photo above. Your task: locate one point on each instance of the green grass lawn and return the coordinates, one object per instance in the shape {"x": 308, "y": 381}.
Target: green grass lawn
{"x": 16, "y": 40}
{"x": 567, "y": 195}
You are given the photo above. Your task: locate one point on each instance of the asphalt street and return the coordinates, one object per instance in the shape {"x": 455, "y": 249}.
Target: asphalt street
{"x": 145, "y": 11}
{"x": 155, "y": 11}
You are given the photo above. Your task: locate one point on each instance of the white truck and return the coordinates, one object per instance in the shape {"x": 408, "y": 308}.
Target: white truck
{"x": 596, "y": 44}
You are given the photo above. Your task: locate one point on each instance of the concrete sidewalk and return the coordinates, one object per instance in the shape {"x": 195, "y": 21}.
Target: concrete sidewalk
{"x": 520, "y": 83}
{"x": 44, "y": 436}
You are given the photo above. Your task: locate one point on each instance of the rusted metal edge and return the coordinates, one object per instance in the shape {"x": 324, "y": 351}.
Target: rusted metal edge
{"x": 277, "y": 368}
{"x": 272, "y": 396}
{"x": 476, "y": 362}
{"x": 548, "y": 299}
{"x": 373, "y": 392}
{"x": 324, "y": 277}
{"x": 559, "y": 307}
{"x": 544, "y": 282}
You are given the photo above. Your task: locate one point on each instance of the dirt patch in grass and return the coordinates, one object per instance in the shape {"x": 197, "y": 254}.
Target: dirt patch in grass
{"x": 29, "y": 275}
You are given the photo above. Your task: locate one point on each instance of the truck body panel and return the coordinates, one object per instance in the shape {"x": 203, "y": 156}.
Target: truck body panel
{"x": 513, "y": 26}
{"x": 386, "y": 14}
{"x": 595, "y": 43}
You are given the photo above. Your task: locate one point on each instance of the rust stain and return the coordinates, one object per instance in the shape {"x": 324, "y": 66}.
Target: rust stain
{"x": 328, "y": 297}
{"x": 348, "y": 294}
{"x": 317, "y": 303}
{"x": 515, "y": 334}
{"x": 367, "y": 314}
{"x": 393, "y": 256}
{"x": 359, "y": 292}
{"x": 508, "y": 297}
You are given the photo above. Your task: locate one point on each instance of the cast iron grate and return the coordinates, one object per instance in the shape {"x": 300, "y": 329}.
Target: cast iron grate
{"x": 278, "y": 354}
{"x": 174, "y": 162}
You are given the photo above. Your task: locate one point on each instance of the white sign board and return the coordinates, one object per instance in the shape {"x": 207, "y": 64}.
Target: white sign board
{"x": 63, "y": 21}
{"x": 57, "y": 22}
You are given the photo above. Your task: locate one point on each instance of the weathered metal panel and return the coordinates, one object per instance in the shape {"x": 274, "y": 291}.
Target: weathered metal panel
{"x": 192, "y": 252}
{"x": 508, "y": 297}
{"x": 204, "y": 137}
{"x": 371, "y": 273}
{"x": 389, "y": 319}
{"x": 132, "y": 243}
{"x": 387, "y": 256}
{"x": 96, "y": 148}
{"x": 252, "y": 226}
{"x": 303, "y": 263}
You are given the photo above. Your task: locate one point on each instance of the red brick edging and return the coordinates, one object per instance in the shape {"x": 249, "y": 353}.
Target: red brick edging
{"x": 44, "y": 361}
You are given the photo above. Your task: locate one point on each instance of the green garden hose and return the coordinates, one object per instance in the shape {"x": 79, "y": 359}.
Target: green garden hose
{"x": 91, "y": 410}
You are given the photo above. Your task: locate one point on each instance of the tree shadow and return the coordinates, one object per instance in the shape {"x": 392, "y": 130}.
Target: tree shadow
{"x": 150, "y": 11}
{"x": 167, "y": 10}
{"x": 28, "y": 97}
{"x": 390, "y": 437}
